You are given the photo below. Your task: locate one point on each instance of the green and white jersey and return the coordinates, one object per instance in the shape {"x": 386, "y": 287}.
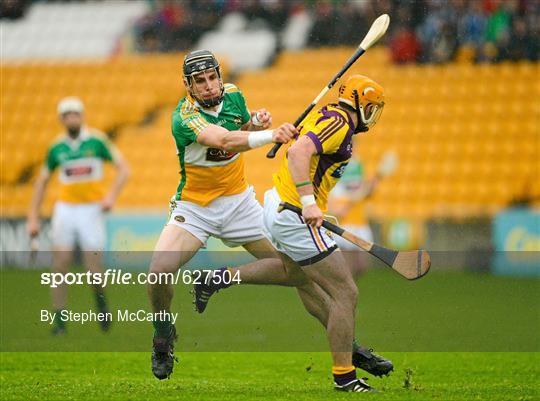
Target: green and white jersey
{"x": 80, "y": 164}
{"x": 207, "y": 173}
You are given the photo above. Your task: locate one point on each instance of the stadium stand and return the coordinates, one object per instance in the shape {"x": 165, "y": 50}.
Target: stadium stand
{"x": 57, "y": 29}
{"x": 116, "y": 93}
{"x": 467, "y": 135}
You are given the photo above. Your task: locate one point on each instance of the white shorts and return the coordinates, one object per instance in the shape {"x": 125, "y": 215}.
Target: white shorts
{"x": 292, "y": 236}
{"x": 82, "y": 223}
{"x": 363, "y": 232}
{"x": 235, "y": 219}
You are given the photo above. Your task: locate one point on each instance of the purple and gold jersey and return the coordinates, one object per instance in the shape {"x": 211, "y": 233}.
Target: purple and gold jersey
{"x": 331, "y": 130}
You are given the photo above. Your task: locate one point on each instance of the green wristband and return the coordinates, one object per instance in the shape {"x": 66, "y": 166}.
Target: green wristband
{"x": 302, "y": 184}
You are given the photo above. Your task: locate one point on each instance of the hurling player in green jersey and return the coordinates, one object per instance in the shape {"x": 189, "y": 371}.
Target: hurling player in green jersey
{"x": 78, "y": 217}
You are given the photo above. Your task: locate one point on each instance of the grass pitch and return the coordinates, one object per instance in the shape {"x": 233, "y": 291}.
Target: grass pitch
{"x": 446, "y": 311}
{"x": 264, "y": 376}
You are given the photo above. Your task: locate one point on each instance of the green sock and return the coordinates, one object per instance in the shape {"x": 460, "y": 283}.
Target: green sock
{"x": 162, "y": 328}
{"x": 58, "y": 322}
{"x": 101, "y": 302}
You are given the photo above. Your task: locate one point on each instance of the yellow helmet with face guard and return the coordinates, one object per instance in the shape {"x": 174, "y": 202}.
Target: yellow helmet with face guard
{"x": 365, "y": 97}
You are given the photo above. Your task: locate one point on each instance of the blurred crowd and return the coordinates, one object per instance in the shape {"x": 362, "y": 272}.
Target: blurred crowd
{"x": 12, "y": 9}
{"x": 177, "y": 25}
{"x": 424, "y": 31}
{"x": 421, "y": 31}
{"x": 435, "y": 31}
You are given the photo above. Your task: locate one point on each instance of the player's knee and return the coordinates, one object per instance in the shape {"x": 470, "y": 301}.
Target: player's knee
{"x": 161, "y": 269}
{"x": 161, "y": 265}
{"x": 296, "y": 278}
{"x": 352, "y": 290}
{"x": 347, "y": 292}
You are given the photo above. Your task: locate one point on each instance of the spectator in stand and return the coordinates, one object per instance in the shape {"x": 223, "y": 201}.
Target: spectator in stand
{"x": 175, "y": 26}
{"x": 445, "y": 44}
{"x": 324, "y": 25}
{"x": 12, "y": 9}
{"x": 149, "y": 42}
{"x": 497, "y": 32}
{"x": 472, "y": 28}
{"x": 352, "y": 24}
{"x": 404, "y": 46}
{"x": 523, "y": 45}
{"x": 428, "y": 31}
{"x": 276, "y": 12}
{"x": 205, "y": 16}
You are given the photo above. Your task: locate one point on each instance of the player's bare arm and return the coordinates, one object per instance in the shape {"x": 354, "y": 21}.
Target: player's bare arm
{"x": 240, "y": 141}
{"x": 299, "y": 159}
{"x": 122, "y": 175}
{"x": 40, "y": 186}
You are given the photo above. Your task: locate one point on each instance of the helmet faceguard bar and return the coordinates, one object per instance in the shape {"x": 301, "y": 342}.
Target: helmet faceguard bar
{"x": 372, "y": 116}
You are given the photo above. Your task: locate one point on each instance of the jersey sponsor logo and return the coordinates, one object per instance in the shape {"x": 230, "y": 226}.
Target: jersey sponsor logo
{"x": 218, "y": 155}
{"x": 338, "y": 172}
{"x": 81, "y": 170}
{"x": 78, "y": 171}
{"x": 237, "y": 120}
{"x": 180, "y": 219}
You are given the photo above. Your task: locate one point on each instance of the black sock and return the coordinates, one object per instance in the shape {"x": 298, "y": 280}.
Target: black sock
{"x": 345, "y": 378}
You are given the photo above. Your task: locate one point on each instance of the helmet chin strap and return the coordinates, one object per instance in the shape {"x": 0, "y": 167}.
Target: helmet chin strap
{"x": 215, "y": 101}
{"x": 360, "y": 126}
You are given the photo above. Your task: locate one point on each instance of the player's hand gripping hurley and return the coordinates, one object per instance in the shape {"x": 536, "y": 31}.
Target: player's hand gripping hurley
{"x": 410, "y": 264}
{"x": 377, "y": 30}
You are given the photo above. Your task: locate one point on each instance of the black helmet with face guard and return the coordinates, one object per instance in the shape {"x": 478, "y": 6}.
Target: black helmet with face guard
{"x": 197, "y": 62}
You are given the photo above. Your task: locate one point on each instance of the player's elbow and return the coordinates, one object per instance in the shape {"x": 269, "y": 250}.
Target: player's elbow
{"x": 125, "y": 169}
{"x": 122, "y": 168}
{"x": 126, "y": 172}
{"x": 232, "y": 143}
{"x": 215, "y": 140}
{"x": 42, "y": 179}
{"x": 227, "y": 145}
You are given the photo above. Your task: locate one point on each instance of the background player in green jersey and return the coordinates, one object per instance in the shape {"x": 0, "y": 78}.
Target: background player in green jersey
{"x": 78, "y": 214}
{"x": 347, "y": 202}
